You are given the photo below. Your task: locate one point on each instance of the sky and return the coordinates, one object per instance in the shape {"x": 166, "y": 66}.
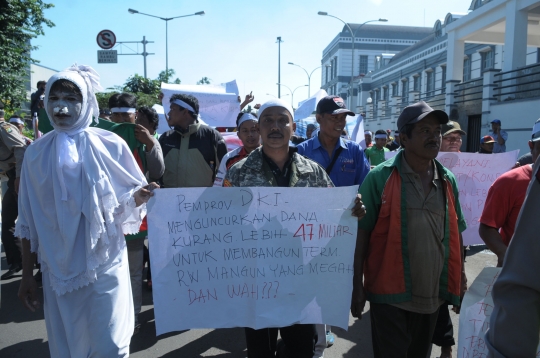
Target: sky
{"x": 234, "y": 40}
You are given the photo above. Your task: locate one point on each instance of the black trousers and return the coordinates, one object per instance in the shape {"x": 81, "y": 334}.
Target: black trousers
{"x": 397, "y": 333}
{"x": 299, "y": 341}
{"x": 444, "y": 329}
{"x": 10, "y": 211}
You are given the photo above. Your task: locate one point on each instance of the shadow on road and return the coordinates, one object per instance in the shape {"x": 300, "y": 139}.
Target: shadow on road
{"x": 359, "y": 333}
{"x": 33, "y": 348}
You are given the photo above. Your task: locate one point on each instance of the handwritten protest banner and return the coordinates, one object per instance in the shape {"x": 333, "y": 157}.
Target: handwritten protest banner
{"x": 474, "y": 174}
{"x": 218, "y": 104}
{"x": 476, "y": 310}
{"x": 251, "y": 257}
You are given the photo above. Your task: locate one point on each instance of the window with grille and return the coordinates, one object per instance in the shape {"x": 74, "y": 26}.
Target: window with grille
{"x": 487, "y": 60}
{"x": 430, "y": 83}
{"x": 417, "y": 84}
{"x": 443, "y": 79}
{"x": 405, "y": 91}
{"x": 363, "y": 69}
{"x": 467, "y": 69}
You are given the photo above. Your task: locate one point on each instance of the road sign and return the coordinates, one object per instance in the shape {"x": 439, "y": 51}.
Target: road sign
{"x": 106, "y": 39}
{"x": 107, "y": 56}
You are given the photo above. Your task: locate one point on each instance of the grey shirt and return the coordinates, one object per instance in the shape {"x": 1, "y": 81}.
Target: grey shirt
{"x": 154, "y": 162}
{"x": 12, "y": 147}
{"x": 425, "y": 223}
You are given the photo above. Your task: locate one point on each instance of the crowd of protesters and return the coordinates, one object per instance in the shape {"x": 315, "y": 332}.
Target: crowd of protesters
{"x": 88, "y": 229}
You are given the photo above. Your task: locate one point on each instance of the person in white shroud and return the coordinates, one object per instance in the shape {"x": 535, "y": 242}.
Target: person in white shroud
{"x": 80, "y": 192}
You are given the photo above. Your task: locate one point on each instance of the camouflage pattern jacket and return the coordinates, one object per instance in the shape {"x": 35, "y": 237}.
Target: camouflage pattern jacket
{"x": 255, "y": 171}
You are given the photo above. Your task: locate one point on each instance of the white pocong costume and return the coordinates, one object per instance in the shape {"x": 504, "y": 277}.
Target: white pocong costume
{"x": 75, "y": 205}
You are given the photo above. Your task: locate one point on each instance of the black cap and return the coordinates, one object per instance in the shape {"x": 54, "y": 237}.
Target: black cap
{"x": 416, "y": 112}
{"x": 332, "y": 105}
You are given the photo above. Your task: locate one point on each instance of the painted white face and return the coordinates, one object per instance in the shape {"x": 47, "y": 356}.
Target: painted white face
{"x": 65, "y": 107}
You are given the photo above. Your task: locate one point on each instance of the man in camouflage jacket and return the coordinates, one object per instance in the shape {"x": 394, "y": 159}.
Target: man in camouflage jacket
{"x": 277, "y": 164}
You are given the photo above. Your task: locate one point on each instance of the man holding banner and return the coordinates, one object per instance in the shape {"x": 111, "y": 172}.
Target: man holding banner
{"x": 503, "y": 203}
{"x": 409, "y": 258}
{"x": 275, "y": 164}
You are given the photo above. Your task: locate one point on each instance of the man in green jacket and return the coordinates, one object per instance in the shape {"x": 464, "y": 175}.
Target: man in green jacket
{"x": 409, "y": 258}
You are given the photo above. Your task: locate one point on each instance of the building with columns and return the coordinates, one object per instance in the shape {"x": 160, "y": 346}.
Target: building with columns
{"x": 374, "y": 45}
{"x": 477, "y": 66}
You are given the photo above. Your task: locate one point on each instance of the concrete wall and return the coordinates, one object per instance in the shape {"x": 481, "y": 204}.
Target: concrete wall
{"x": 517, "y": 119}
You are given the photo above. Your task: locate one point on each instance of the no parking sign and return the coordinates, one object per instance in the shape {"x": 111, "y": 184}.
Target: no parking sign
{"x": 106, "y": 39}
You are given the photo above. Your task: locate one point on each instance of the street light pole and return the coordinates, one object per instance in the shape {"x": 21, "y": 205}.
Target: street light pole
{"x": 308, "y": 76}
{"x": 292, "y": 92}
{"x": 279, "y": 41}
{"x": 351, "y": 91}
{"x": 166, "y": 19}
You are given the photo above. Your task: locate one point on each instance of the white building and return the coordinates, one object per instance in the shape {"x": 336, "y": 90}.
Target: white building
{"x": 479, "y": 66}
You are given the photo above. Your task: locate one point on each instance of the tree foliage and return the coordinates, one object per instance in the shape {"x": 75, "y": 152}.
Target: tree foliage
{"x": 20, "y": 22}
{"x": 204, "y": 81}
{"x": 146, "y": 90}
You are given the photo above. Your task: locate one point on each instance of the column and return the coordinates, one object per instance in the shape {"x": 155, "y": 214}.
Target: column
{"x": 515, "y": 37}
{"x": 454, "y": 67}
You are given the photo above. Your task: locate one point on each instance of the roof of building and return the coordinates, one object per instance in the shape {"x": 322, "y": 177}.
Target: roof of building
{"x": 388, "y": 31}
{"x": 420, "y": 45}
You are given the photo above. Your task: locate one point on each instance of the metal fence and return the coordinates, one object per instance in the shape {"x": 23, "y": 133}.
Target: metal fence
{"x": 522, "y": 83}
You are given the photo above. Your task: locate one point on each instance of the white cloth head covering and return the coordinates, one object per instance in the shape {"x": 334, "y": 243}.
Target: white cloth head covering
{"x": 275, "y": 102}
{"x": 76, "y": 198}
{"x": 246, "y": 117}
{"x": 87, "y": 80}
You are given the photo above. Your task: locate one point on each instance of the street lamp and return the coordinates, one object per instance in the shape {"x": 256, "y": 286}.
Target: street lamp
{"x": 270, "y": 94}
{"x": 323, "y": 13}
{"x": 308, "y": 76}
{"x": 166, "y": 19}
{"x": 292, "y": 92}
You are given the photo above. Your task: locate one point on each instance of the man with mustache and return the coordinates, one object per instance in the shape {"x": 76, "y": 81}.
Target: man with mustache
{"x": 275, "y": 164}
{"x": 409, "y": 258}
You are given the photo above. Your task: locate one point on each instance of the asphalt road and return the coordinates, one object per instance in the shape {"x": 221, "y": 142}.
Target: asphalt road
{"x": 23, "y": 333}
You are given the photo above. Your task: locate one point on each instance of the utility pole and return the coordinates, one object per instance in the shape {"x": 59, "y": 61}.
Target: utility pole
{"x": 279, "y": 41}
{"x": 144, "y": 53}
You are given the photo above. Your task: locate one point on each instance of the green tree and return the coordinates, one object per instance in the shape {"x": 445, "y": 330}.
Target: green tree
{"x": 165, "y": 76}
{"x": 204, "y": 81}
{"x": 20, "y": 22}
{"x": 139, "y": 84}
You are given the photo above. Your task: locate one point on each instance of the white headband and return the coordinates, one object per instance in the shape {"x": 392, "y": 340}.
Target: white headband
{"x": 123, "y": 110}
{"x": 246, "y": 117}
{"x": 16, "y": 120}
{"x": 381, "y": 136}
{"x": 183, "y": 105}
{"x": 368, "y": 132}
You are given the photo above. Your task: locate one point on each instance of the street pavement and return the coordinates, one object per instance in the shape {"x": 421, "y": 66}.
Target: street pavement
{"x": 23, "y": 333}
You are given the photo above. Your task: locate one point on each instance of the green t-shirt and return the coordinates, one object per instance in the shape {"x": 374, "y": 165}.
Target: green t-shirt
{"x": 375, "y": 155}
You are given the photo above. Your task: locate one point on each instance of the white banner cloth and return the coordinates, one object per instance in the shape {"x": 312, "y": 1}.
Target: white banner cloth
{"x": 251, "y": 257}
{"x": 476, "y": 310}
{"x": 218, "y": 104}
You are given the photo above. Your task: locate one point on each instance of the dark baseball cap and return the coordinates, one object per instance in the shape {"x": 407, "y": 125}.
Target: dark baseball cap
{"x": 418, "y": 111}
{"x": 452, "y": 127}
{"x": 333, "y": 105}
{"x": 498, "y": 121}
